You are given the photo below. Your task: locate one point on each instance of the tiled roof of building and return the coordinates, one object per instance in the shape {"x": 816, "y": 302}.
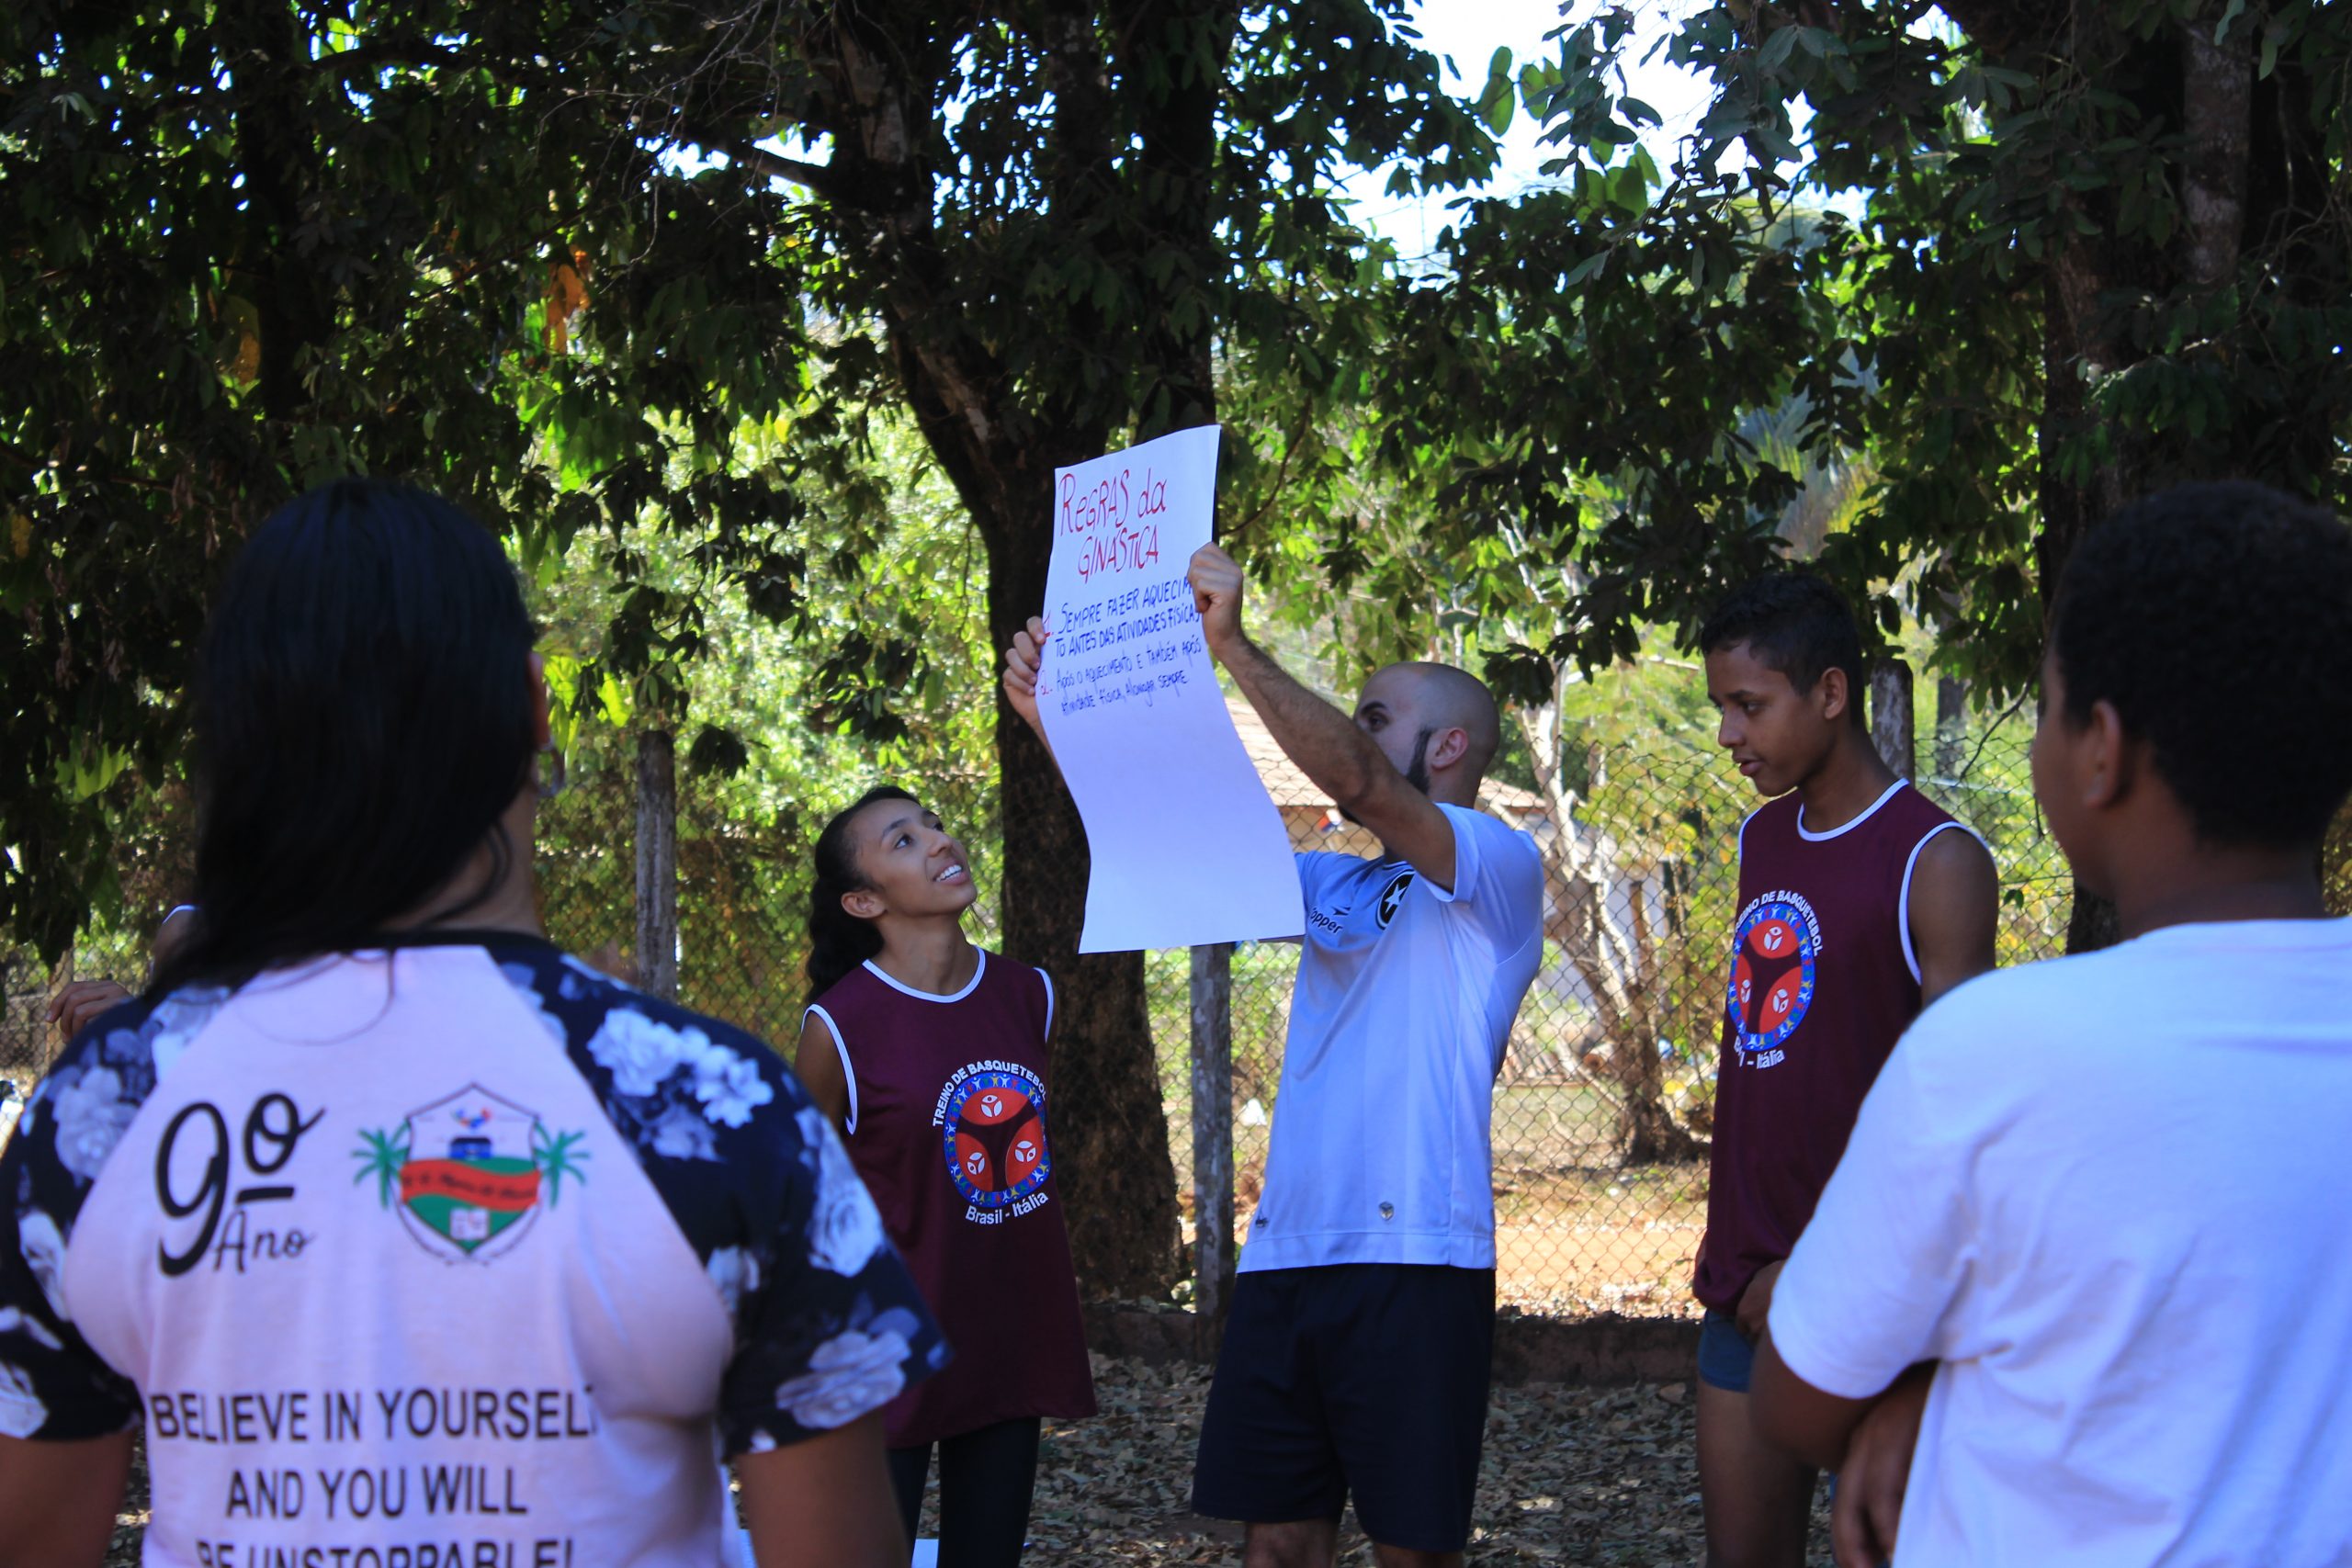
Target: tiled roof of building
{"x": 1293, "y": 790}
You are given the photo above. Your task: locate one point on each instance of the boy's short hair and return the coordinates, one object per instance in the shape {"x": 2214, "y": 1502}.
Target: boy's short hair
{"x": 2217, "y": 619}
{"x": 1795, "y": 623}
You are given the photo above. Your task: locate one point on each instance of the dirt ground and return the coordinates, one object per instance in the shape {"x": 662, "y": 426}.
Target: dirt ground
{"x": 1573, "y": 1477}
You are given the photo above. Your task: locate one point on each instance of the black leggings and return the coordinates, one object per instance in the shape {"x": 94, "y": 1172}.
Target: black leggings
{"x": 985, "y": 1480}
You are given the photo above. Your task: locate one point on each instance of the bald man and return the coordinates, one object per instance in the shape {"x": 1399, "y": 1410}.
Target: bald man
{"x": 1356, "y": 1353}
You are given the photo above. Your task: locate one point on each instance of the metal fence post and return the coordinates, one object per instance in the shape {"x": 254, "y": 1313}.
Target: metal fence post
{"x": 656, "y": 863}
{"x": 1212, "y": 993}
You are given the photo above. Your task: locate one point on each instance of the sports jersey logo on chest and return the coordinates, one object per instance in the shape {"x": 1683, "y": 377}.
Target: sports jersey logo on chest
{"x": 991, "y": 1117}
{"x": 1332, "y": 918}
{"x": 1775, "y": 950}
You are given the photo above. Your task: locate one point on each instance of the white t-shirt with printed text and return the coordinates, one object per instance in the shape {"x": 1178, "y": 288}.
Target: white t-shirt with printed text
{"x": 1382, "y": 1149}
{"x": 463, "y": 1255}
{"x": 2107, "y": 1194}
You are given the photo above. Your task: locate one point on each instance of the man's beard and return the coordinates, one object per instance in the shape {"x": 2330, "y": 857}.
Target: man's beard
{"x": 1416, "y": 772}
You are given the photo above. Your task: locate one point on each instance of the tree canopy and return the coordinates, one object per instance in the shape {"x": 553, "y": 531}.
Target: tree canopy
{"x": 1996, "y": 268}
{"x": 567, "y": 261}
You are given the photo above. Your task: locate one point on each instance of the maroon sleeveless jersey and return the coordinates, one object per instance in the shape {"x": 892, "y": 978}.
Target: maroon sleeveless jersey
{"x": 1823, "y": 982}
{"x": 948, "y": 1124}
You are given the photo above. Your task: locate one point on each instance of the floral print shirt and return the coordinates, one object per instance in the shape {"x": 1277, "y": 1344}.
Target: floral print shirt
{"x": 464, "y": 1208}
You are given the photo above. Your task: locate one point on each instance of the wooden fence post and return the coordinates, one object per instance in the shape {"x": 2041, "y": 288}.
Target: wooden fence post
{"x": 1212, "y": 993}
{"x": 1951, "y": 724}
{"x": 656, "y": 863}
{"x": 1891, "y": 726}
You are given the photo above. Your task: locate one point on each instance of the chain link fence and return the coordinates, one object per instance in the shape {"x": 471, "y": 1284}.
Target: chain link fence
{"x": 1602, "y": 1110}
{"x": 1603, "y": 1107}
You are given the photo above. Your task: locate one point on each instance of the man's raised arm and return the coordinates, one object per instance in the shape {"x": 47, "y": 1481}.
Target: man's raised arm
{"x": 1021, "y": 661}
{"x": 1331, "y": 748}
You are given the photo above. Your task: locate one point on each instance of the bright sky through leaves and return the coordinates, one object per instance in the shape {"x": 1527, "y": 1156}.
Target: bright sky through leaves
{"x": 1468, "y": 32}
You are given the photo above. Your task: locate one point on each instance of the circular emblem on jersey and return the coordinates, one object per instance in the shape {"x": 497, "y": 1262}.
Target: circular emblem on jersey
{"x": 1773, "y": 951}
{"x": 1392, "y": 897}
{"x": 995, "y": 1136}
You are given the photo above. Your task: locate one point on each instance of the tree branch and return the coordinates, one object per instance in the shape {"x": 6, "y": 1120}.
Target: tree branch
{"x": 824, "y": 179}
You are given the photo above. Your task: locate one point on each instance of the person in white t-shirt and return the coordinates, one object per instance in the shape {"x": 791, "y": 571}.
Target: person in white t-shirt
{"x": 2086, "y": 1248}
{"x": 408, "y": 1240}
{"x": 1355, "y": 1360}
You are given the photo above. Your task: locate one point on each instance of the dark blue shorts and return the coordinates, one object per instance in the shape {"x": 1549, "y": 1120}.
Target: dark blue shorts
{"x": 1726, "y": 1359}
{"x": 1361, "y": 1379}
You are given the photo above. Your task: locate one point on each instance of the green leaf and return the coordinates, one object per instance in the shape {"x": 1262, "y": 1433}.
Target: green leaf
{"x": 1496, "y": 107}
{"x": 563, "y": 673}
{"x": 718, "y": 751}
{"x": 615, "y": 700}
{"x": 1776, "y": 142}
{"x": 87, "y": 769}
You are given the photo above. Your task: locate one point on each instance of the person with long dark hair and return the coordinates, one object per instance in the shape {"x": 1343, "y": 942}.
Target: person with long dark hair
{"x": 407, "y": 1237}
{"x": 931, "y": 1053}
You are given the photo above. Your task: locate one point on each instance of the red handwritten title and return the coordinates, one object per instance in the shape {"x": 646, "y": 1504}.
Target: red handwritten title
{"x": 1115, "y": 519}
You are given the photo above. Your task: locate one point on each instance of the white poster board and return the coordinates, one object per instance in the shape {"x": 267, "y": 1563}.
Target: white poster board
{"x": 1187, "y": 846}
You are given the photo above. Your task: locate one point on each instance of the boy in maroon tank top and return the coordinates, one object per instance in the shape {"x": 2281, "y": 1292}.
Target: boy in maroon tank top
{"x": 1859, "y": 902}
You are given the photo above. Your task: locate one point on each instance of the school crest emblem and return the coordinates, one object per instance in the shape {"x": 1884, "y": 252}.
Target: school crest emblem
{"x": 468, "y": 1174}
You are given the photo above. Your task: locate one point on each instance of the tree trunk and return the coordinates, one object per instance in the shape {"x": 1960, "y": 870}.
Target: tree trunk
{"x": 2069, "y": 509}
{"x": 2094, "y": 284}
{"x": 1652, "y": 1134}
{"x": 1109, "y": 1130}
{"x": 1892, "y": 730}
{"x": 656, "y": 863}
{"x": 998, "y": 435}
{"x": 282, "y": 171}
{"x": 1951, "y": 724}
{"x": 1617, "y": 958}
{"x": 1213, "y": 1260}
{"x": 2217, "y": 104}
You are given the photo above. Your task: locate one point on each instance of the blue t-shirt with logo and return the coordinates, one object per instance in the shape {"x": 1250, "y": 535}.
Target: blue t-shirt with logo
{"x": 1382, "y": 1148}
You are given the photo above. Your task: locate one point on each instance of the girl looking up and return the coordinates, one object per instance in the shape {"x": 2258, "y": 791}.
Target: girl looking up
{"x": 930, "y": 1053}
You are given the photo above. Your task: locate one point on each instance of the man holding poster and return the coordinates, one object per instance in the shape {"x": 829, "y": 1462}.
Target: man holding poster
{"x": 1356, "y": 1354}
